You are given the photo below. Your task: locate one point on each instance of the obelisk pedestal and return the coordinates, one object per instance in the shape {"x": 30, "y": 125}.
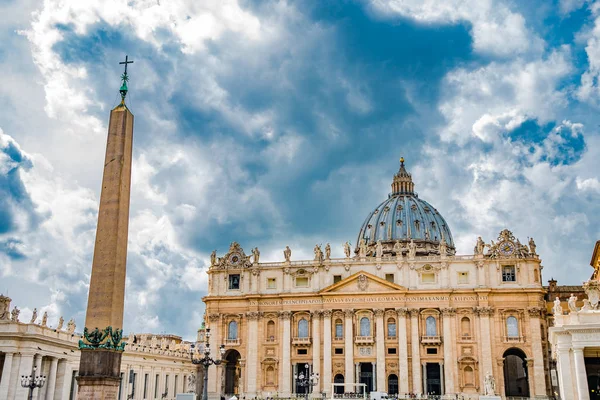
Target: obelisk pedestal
{"x": 102, "y": 346}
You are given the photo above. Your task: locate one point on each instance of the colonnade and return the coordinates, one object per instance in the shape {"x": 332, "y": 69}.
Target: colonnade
{"x": 58, "y": 372}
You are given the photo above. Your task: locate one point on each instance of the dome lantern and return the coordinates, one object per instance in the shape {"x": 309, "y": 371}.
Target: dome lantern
{"x": 402, "y": 183}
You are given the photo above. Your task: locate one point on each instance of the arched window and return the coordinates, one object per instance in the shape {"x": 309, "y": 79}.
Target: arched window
{"x": 270, "y": 376}
{"x": 303, "y": 328}
{"x": 512, "y": 327}
{"x": 391, "y": 328}
{"x": 232, "y": 332}
{"x": 339, "y": 328}
{"x": 430, "y": 326}
{"x": 469, "y": 378}
{"x": 465, "y": 327}
{"x": 271, "y": 330}
{"x": 365, "y": 326}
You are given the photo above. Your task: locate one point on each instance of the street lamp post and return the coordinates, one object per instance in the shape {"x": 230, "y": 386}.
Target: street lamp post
{"x": 206, "y": 361}
{"x": 32, "y": 381}
{"x": 306, "y": 380}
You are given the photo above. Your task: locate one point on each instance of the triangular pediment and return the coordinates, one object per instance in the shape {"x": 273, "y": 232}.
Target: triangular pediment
{"x": 362, "y": 282}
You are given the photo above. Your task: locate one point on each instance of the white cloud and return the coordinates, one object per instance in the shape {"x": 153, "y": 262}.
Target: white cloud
{"x": 495, "y": 28}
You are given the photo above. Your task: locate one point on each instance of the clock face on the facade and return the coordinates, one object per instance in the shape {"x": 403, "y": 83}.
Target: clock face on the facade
{"x": 235, "y": 258}
{"x": 506, "y": 248}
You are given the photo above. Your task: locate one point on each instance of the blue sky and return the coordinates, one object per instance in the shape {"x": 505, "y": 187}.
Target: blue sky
{"x": 281, "y": 123}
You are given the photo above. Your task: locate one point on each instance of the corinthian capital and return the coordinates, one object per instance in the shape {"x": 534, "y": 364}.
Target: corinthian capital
{"x": 214, "y": 317}
{"x": 327, "y": 313}
{"x": 285, "y": 315}
{"x": 378, "y": 312}
{"x": 316, "y": 314}
{"x": 253, "y": 315}
{"x": 402, "y": 311}
{"x": 534, "y": 311}
{"x": 349, "y": 313}
{"x": 414, "y": 312}
{"x": 448, "y": 312}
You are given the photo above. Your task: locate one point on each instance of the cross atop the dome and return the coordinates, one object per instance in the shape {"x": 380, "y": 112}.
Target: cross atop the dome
{"x": 402, "y": 161}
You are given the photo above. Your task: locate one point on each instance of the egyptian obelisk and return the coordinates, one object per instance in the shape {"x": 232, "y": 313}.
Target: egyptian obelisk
{"x": 102, "y": 346}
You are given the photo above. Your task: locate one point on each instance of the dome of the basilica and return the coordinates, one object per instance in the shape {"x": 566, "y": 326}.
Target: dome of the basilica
{"x": 404, "y": 217}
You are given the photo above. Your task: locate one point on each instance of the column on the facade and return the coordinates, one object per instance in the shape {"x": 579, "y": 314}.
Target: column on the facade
{"x": 286, "y": 375}
{"x": 37, "y": 362}
{"x": 539, "y": 375}
{"x": 348, "y": 347}
{"x": 402, "y": 351}
{"x": 51, "y": 382}
{"x": 25, "y": 368}
{"x": 252, "y": 353}
{"x": 214, "y": 387}
{"x": 415, "y": 351}
{"x": 447, "y": 315}
{"x": 357, "y": 372}
{"x": 443, "y": 383}
{"x": 580, "y": 374}
{"x": 326, "y": 375}
{"x": 316, "y": 347}
{"x": 6, "y": 372}
{"x": 380, "y": 349}
{"x": 424, "y": 376}
{"x": 63, "y": 379}
{"x": 374, "y": 369}
{"x": 563, "y": 369}
{"x": 485, "y": 339}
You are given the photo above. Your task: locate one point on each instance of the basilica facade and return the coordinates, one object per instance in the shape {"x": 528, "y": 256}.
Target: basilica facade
{"x": 401, "y": 313}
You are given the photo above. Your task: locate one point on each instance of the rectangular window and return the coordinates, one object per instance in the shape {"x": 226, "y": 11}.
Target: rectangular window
{"x": 339, "y": 330}
{"x": 302, "y": 352}
{"x": 156, "y": 387}
{"x": 337, "y": 278}
{"x": 508, "y": 273}
{"x": 389, "y": 278}
{"x": 338, "y": 350}
{"x": 431, "y": 350}
{"x": 146, "y": 386}
{"x": 234, "y": 281}
{"x": 391, "y": 350}
{"x": 271, "y": 283}
{"x": 463, "y": 277}
{"x": 428, "y": 278}
{"x": 301, "y": 281}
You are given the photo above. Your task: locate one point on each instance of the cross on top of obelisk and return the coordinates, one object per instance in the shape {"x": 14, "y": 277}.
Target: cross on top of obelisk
{"x": 126, "y": 62}
{"x": 124, "y": 78}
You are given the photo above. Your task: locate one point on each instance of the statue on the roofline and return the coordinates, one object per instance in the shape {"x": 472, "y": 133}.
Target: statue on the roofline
{"x": 287, "y": 253}
{"x": 33, "y": 316}
{"x": 347, "y": 249}
{"x": 327, "y": 252}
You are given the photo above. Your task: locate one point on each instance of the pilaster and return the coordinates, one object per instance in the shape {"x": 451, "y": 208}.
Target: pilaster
{"x": 326, "y": 375}
{"x": 316, "y": 347}
{"x": 252, "y": 353}
{"x": 447, "y": 315}
{"x": 286, "y": 373}
{"x": 348, "y": 346}
{"x": 402, "y": 350}
{"x": 415, "y": 351}
{"x": 380, "y": 349}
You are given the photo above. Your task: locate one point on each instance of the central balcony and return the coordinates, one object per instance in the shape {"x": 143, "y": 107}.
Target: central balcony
{"x": 301, "y": 341}
{"x": 363, "y": 339}
{"x": 431, "y": 339}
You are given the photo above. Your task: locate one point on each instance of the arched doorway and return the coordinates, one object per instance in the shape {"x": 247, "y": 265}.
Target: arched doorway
{"x": 516, "y": 380}
{"x": 392, "y": 384}
{"x": 339, "y": 378}
{"x": 232, "y": 365}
